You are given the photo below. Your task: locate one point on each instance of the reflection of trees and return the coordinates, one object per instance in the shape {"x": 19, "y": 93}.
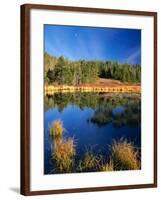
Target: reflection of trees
{"x": 89, "y": 99}
{"x": 103, "y": 104}
{"x": 102, "y": 116}
{"x": 130, "y": 116}
{"x": 61, "y": 100}
{"x": 48, "y": 103}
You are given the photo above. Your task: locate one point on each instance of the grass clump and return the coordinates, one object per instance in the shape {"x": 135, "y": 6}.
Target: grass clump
{"x": 64, "y": 152}
{"x": 108, "y": 167}
{"x": 88, "y": 163}
{"x": 57, "y": 128}
{"x": 124, "y": 156}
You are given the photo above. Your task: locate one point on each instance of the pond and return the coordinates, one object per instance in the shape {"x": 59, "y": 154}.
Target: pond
{"x": 94, "y": 120}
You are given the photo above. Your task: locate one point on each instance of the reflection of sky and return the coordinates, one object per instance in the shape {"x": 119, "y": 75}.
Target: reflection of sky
{"x": 123, "y": 45}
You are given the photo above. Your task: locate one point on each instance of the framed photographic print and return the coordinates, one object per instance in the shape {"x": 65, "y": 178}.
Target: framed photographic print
{"x": 88, "y": 99}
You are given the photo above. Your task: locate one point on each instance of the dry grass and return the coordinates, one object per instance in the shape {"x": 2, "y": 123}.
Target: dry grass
{"x": 64, "y": 152}
{"x": 89, "y": 162}
{"x": 57, "y": 128}
{"x": 108, "y": 167}
{"x": 124, "y": 156}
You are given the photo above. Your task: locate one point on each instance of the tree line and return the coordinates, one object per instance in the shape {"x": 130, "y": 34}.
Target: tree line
{"x": 63, "y": 71}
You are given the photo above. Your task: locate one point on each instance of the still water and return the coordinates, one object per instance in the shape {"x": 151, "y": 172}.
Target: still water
{"x": 94, "y": 120}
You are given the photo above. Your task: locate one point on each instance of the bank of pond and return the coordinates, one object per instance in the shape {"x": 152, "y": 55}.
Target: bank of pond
{"x": 114, "y": 88}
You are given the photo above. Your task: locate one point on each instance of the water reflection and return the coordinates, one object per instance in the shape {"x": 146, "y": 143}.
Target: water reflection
{"x": 94, "y": 120}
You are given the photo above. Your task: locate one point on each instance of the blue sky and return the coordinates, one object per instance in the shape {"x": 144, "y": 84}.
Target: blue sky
{"x": 89, "y": 43}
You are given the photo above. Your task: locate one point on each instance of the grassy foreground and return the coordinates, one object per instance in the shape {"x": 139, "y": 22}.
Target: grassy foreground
{"x": 124, "y": 155}
{"x": 64, "y": 152}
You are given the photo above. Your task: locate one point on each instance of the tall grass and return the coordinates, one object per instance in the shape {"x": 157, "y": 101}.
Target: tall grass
{"x": 63, "y": 154}
{"x": 57, "y": 128}
{"x": 107, "y": 167}
{"x": 124, "y": 156}
{"x": 90, "y": 162}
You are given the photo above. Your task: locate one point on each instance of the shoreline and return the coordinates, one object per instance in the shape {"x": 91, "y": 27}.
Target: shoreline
{"x": 112, "y": 88}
